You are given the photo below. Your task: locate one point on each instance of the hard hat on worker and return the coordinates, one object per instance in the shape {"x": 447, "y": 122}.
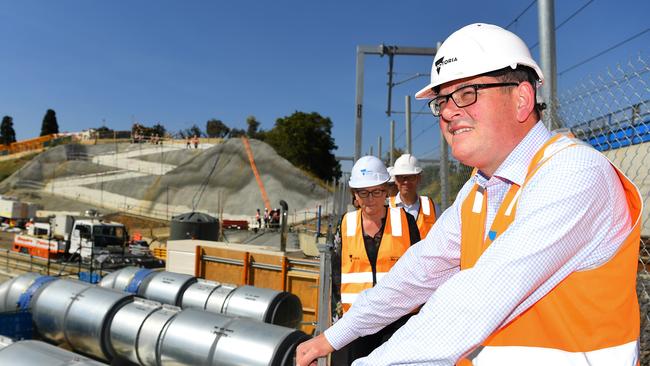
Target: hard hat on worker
{"x": 368, "y": 171}
{"x": 474, "y": 50}
{"x": 406, "y": 164}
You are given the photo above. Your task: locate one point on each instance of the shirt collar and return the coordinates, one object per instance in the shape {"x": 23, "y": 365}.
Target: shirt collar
{"x": 398, "y": 200}
{"x": 515, "y": 167}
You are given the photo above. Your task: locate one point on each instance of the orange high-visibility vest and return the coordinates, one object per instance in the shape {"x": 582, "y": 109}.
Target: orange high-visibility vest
{"x": 356, "y": 272}
{"x": 426, "y": 214}
{"x": 590, "y": 318}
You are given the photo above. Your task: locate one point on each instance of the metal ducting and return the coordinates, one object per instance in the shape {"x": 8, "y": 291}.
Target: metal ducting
{"x": 35, "y": 353}
{"x": 80, "y": 315}
{"x": 120, "y": 279}
{"x": 113, "y": 325}
{"x": 11, "y": 290}
{"x": 216, "y": 339}
{"x": 165, "y": 287}
{"x": 266, "y": 305}
{"x": 135, "y": 330}
{"x": 49, "y": 314}
{"x": 194, "y": 225}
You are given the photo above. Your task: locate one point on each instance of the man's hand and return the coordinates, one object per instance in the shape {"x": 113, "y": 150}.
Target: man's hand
{"x": 308, "y": 352}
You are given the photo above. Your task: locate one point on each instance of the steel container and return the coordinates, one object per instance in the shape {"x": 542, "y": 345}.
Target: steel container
{"x": 165, "y": 287}
{"x": 11, "y": 290}
{"x": 126, "y": 325}
{"x": 35, "y": 353}
{"x": 200, "y": 338}
{"x": 196, "y": 296}
{"x": 149, "y": 339}
{"x": 87, "y": 320}
{"x": 119, "y": 279}
{"x": 217, "y": 301}
{"x": 265, "y": 305}
{"x": 50, "y": 306}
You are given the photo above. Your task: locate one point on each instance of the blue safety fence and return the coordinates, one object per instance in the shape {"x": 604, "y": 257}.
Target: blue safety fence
{"x": 17, "y": 325}
{"x": 617, "y": 138}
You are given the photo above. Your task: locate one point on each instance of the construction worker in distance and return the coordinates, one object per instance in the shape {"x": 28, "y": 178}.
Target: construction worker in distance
{"x": 391, "y": 189}
{"x": 535, "y": 262}
{"x": 372, "y": 238}
{"x": 408, "y": 175}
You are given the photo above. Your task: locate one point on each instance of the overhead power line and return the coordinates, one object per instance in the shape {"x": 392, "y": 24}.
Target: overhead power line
{"x": 566, "y": 20}
{"x": 604, "y": 52}
{"x": 522, "y": 13}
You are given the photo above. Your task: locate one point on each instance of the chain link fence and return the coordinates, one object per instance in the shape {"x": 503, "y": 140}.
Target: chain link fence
{"x": 611, "y": 112}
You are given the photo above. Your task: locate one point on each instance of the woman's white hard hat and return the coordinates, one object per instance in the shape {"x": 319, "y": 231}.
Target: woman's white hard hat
{"x": 368, "y": 171}
{"x": 474, "y": 50}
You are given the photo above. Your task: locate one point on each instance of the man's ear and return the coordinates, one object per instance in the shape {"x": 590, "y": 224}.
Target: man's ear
{"x": 525, "y": 94}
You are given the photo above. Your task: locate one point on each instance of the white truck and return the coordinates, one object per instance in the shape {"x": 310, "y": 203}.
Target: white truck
{"x": 70, "y": 237}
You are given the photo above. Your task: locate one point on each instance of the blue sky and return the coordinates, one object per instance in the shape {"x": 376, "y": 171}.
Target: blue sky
{"x": 184, "y": 62}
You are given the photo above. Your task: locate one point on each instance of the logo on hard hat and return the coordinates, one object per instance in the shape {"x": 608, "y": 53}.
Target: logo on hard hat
{"x": 441, "y": 61}
{"x": 364, "y": 171}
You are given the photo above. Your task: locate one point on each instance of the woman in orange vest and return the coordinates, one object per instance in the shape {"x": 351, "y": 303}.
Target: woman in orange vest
{"x": 372, "y": 239}
{"x": 535, "y": 262}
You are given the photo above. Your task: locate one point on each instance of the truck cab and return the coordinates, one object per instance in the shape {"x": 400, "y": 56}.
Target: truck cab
{"x": 91, "y": 237}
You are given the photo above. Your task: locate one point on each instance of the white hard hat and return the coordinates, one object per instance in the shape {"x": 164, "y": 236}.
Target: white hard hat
{"x": 406, "y": 164}
{"x": 368, "y": 171}
{"x": 474, "y": 50}
{"x": 390, "y": 172}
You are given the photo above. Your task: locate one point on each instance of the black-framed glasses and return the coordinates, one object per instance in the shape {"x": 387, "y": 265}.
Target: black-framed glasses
{"x": 462, "y": 97}
{"x": 376, "y": 193}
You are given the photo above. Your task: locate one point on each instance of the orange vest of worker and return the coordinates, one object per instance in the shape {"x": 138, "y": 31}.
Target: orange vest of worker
{"x": 426, "y": 215}
{"x": 590, "y": 318}
{"x": 356, "y": 272}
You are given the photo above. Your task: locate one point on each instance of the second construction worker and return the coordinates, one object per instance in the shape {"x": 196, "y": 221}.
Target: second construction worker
{"x": 408, "y": 174}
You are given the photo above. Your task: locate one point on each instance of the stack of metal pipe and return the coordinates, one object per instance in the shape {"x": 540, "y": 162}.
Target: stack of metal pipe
{"x": 118, "y": 327}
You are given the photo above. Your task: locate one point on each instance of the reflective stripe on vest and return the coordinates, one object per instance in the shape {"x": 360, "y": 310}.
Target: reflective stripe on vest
{"x": 564, "y": 327}
{"x": 356, "y": 272}
{"x": 426, "y": 214}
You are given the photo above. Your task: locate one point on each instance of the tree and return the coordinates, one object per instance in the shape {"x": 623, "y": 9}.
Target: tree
{"x": 159, "y": 129}
{"x": 253, "y": 125}
{"x": 50, "y": 125}
{"x": 104, "y": 132}
{"x": 216, "y": 128}
{"x": 191, "y": 132}
{"x": 236, "y": 132}
{"x": 305, "y": 139}
{"x": 7, "y": 133}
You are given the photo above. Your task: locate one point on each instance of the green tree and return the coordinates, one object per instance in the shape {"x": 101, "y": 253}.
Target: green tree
{"x": 456, "y": 176}
{"x": 7, "y": 133}
{"x": 191, "y": 132}
{"x": 104, "y": 132}
{"x": 253, "y": 125}
{"x": 236, "y": 132}
{"x": 305, "y": 139}
{"x": 159, "y": 129}
{"x": 216, "y": 128}
{"x": 50, "y": 125}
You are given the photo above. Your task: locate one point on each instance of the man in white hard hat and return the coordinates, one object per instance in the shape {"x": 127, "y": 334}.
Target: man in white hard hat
{"x": 408, "y": 175}
{"x": 535, "y": 262}
{"x": 372, "y": 239}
